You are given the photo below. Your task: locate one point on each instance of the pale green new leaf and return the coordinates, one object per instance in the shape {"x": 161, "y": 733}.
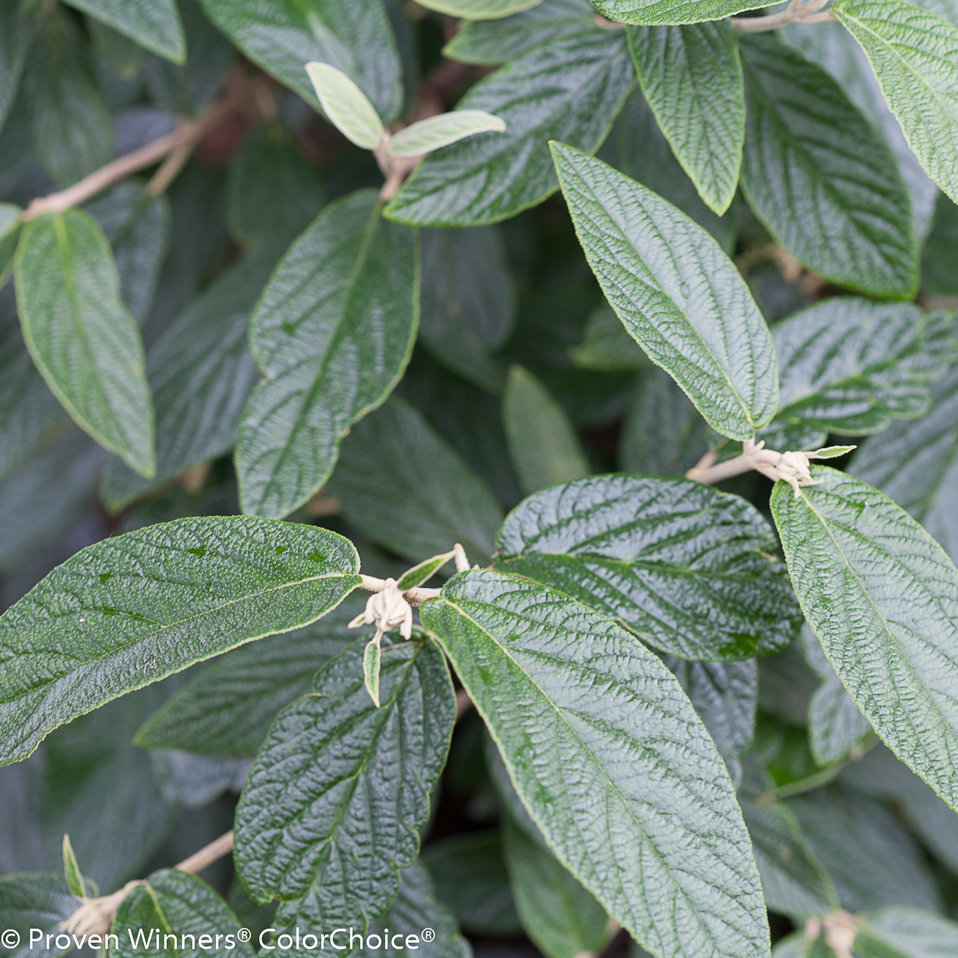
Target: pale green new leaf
{"x": 821, "y": 179}
{"x": 569, "y": 89}
{"x": 684, "y": 566}
{"x": 153, "y": 24}
{"x": 479, "y": 9}
{"x": 173, "y": 902}
{"x": 80, "y": 335}
{"x": 282, "y": 35}
{"x": 436, "y": 132}
{"x": 334, "y": 802}
{"x": 915, "y": 57}
{"x": 133, "y": 609}
{"x": 332, "y": 334}
{"x": 71, "y": 869}
{"x": 650, "y": 12}
{"x": 882, "y": 597}
{"x": 692, "y": 79}
{"x": 347, "y": 107}
{"x": 609, "y": 758}
{"x": 679, "y": 296}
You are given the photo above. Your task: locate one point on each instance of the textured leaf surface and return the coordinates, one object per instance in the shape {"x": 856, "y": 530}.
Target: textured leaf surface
{"x": 882, "y": 597}
{"x": 401, "y": 484}
{"x": 673, "y": 11}
{"x": 154, "y": 24}
{"x": 332, "y": 334}
{"x": 850, "y": 366}
{"x": 898, "y": 931}
{"x": 283, "y": 35}
{"x": 677, "y": 293}
{"x": 130, "y": 610}
{"x": 80, "y": 335}
{"x": 570, "y": 89}
{"x": 335, "y": 799}
{"x": 692, "y": 79}
{"x": 611, "y": 761}
{"x": 915, "y": 57}
{"x": 683, "y": 565}
{"x": 184, "y": 905}
{"x": 819, "y": 177}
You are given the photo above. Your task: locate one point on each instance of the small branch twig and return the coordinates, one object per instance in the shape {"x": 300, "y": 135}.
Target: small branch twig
{"x": 797, "y": 11}
{"x": 413, "y": 596}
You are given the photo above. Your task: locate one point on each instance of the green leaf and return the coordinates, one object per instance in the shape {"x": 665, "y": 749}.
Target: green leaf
{"x": 228, "y": 707}
{"x": 684, "y": 566}
{"x": 133, "y": 609}
{"x": 491, "y": 42}
{"x": 173, "y": 902}
{"x": 608, "y": 756}
{"x": 14, "y": 43}
{"x": 692, "y": 79}
{"x": 435, "y": 132}
{"x": 154, "y": 24}
{"x": 677, "y": 293}
{"x": 34, "y": 901}
{"x": 71, "y": 870}
{"x": 898, "y": 931}
{"x": 913, "y": 54}
{"x": 819, "y": 177}
{"x": 346, "y": 105}
{"x": 80, "y": 335}
{"x": 543, "y": 445}
{"x": 324, "y": 811}
{"x": 673, "y": 11}
{"x": 916, "y": 464}
{"x": 9, "y": 228}
{"x": 423, "y": 571}
{"x": 479, "y": 9}
{"x": 851, "y": 366}
{"x": 402, "y": 485}
{"x": 882, "y": 597}
{"x": 201, "y": 373}
{"x": 372, "y": 665}
{"x": 559, "y": 915}
{"x": 282, "y": 35}
{"x": 332, "y": 334}
{"x": 570, "y": 89}
{"x": 607, "y": 345}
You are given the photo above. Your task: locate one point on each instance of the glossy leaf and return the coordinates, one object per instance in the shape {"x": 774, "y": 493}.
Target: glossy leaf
{"x": 346, "y": 105}
{"x": 692, "y": 79}
{"x": 330, "y": 786}
{"x": 915, "y": 57}
{"x": 479, "y": 9}
{"x": 436, "y": 132}
{"x": 882, "y": 597}
{"x": 130, "y": 610}
{"x": 332, "y": 334}
{"x": 607, "y": 755}
{"x": 677, "y": 293}
{"x": 820, "y": 179}
{"x": 570, "y": 89}
{"x": 153, "y": 24}
{"x": 543, "y": 445}
{"x": 283, "y": 35}
{"x": 80, "y": 335}
{"x": 684, "y": 566}
{"x": 173, "y": 901}
{"x": 673, "y": 11}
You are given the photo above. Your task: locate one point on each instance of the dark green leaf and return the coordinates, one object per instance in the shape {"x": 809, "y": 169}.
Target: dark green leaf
{"x": 332, "y": 806}
{"x": 332, "y": 334}
{"x": 569, "y": 89}
{"x": 9, "y": 228}
{"x": 686, "y": 567}
{"x": 154, "y": 24}
{"x": 677, "y": 293}
{"x": 132, "y": 609}
{"x": 882, "y": 597}
{"x": 607, "y": 345}
{"x": 625, "y": 785}
{"x": 34, "y": 902}
{"x": 673, "y": 11}
{"x": 820, "y": 179}
{"x": 14, "y": 42}
{"x": 402, "y": 485}
{"x": 284, "y": 35}
{"x": 692, "y": 79}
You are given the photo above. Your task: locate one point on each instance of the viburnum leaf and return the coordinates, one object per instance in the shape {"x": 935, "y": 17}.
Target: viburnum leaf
{"x": 153, "y": 24}
{"x": 131, "y": 610}
{"x": 347, "y": 107}
{"x": 28, "y": 902}
{"x": 673, "y": 11}
{"x": 479, "y": 9}
{"x": 436, "y": 132}
{"x": 882, "y": 597}
{"x": 686, "y": 567}
{"x": 9, "y": 228}
{"x": 679, "y": 296}
{"x": 610, "y": 761}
